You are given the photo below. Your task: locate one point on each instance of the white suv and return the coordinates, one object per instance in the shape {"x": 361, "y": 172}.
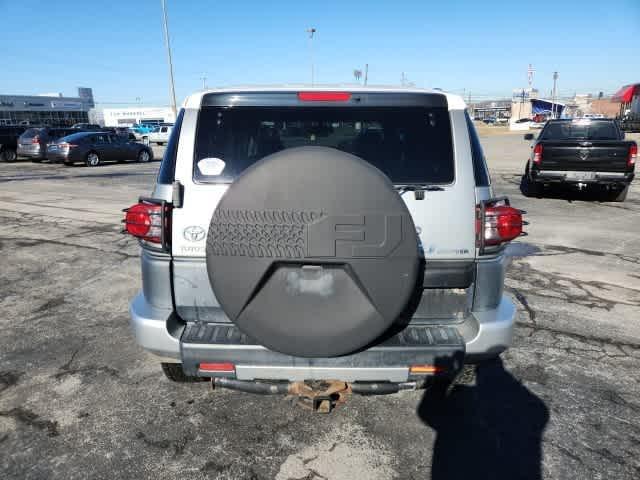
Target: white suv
{"x": 305, "y": 234}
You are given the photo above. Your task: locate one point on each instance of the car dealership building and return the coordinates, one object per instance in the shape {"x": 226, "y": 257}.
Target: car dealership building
{"x": 47, "y": 109}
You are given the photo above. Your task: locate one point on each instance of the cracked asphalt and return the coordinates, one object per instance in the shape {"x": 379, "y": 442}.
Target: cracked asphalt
{"x": 78, "y": 398}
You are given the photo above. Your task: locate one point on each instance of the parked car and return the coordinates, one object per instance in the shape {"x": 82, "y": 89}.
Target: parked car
{"x": 9, "y": 142}
{"x": 160, "y": 135}
{"x": 141, "y": 130}
{"x": 578, "y": 154}
{"x": 489, "y": 120}
{"x": 315, "y": 235}
{"x": 95, "y": 148}
{"x": 33, "y": 142}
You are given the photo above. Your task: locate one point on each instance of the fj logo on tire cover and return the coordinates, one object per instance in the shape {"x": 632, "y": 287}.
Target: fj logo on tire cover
{"x": 289, "y": 234}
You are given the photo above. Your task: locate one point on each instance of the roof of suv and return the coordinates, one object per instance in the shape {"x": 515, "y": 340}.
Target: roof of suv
{"x": 455, "y": 102}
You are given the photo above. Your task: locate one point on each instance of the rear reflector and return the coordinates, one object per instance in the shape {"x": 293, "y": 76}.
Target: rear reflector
{"x": 425, "y": 369}
{"x": 633, "y": 155}
{"x": 216, "y": 367}
{"x": 324, "y": 96}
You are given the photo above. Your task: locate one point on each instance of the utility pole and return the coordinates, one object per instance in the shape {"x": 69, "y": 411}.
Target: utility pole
{"x": 403, "y": 79}
{"x": 172, "y": 90}
{"x": 553, "y": 96}
{"x": 366, "y": 73}
{"x": 204, "y": 81}
{"x": 311, "y": 31}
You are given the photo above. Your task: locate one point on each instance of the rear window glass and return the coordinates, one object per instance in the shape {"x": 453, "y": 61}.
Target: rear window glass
{"x": 582, "y": 130}
{"x": 74, "y": 137}
{"x": 409, "y": 144}
{"x": 32, "y": 132}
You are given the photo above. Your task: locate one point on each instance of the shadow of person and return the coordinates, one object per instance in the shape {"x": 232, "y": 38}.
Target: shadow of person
{"x": 489, "y": 431}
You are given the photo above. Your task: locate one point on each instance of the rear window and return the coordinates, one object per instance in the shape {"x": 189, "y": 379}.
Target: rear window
{"x": 581, "y": 130}
{"x": 73, "y": 138}
{"x": 31, "y": 132}
{"x": 409, "y": 144}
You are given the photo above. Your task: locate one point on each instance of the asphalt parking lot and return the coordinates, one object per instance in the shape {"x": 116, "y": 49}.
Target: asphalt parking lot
{"x": 78, "y": 398}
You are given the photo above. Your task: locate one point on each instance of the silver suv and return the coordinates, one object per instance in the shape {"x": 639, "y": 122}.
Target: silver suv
{"x": 299, "y": 237}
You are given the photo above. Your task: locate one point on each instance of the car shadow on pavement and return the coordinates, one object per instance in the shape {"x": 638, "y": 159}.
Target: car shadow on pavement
{"x": 492, "y": 430}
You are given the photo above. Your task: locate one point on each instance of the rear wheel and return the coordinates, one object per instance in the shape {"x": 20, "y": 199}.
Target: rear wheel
{"x": 8, "y": 155}
{"x": 174, "y": 372}
{"x": 618, "y": 195}
{"x": 143, "y": 156}
{"x": 92, "y": 159}
{"x": 530, "y": 188}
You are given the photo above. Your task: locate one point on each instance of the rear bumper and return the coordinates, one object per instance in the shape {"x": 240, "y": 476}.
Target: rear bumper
{"x": 31, "y": 151}
{"x": 482, "y": 335}
{"x": 151, "y": 326}
{"x": 57, "y": 157}
{"x": 574, "y": 177}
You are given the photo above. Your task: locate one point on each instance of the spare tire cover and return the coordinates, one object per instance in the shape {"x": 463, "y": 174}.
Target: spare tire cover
{"x": 311, "y": 252}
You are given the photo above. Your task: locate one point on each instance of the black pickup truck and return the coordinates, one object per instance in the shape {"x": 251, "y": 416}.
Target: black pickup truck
{"x": 581, "y": 153}
{"x": 9, "y": 142}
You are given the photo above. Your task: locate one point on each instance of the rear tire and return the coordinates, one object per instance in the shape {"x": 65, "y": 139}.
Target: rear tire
{"x": 144, "y": 156}
{"x": 618, "y": 195}
{"x": 8, "y": 155}
{"x": 174, "y": 372}
{"x": 530, "y": 188}
{"x": 92, "y": 159}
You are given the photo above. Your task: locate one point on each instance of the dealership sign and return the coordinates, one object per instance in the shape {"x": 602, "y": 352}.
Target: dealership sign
{"x": 74, "y": 105}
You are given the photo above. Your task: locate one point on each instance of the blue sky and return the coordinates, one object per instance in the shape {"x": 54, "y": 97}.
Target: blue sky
{"x": 480, "y": 46}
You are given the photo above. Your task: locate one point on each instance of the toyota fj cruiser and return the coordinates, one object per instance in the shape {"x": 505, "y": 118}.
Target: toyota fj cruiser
{"x": 321, "y": 234}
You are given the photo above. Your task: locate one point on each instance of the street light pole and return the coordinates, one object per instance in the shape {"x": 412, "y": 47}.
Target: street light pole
{"x": 311, "y": 31}
{"x": 553, "y": 97}
{"x": 172, "y": 90}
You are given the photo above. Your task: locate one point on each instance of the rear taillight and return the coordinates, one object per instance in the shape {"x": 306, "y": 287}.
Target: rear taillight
{"x": 537, "y": 153}
{"x": 497, "y": 224}
{"x": 324, "y": 96}
{"x": 35, "y": 139}
{"x": 147, "y": 221}
{"x": 633, "y": 155}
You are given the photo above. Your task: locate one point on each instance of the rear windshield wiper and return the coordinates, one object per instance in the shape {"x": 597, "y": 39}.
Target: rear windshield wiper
{"x": 416, "y": 188}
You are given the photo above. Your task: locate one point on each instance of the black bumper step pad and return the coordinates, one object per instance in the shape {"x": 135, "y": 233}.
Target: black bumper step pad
{"x": 419, "y": 344}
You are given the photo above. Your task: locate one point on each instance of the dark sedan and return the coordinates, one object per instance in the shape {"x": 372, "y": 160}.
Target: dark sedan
{"x": 94, "y": 148}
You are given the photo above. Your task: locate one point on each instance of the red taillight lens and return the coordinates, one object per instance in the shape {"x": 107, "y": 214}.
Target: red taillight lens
{"x": 537, "y": 153}
{"x": 144, "y": 220}
{"x": 501, "y": 224}
{"x": 633, "y": 155}
{"x": 35, "y": 139}
{"x": 324, "y": 96}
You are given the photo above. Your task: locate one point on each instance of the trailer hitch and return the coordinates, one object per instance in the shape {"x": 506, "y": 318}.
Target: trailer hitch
{"x": 321, "y": 396}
